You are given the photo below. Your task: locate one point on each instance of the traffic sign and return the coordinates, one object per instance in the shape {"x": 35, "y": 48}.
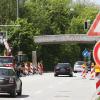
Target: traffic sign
{"x": 95, "y": 27}
{"x": 85, "y": 53}
{"x": 96, "y": 53}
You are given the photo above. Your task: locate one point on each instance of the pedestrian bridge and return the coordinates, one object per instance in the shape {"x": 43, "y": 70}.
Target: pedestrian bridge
{"x": 65, "y": 38}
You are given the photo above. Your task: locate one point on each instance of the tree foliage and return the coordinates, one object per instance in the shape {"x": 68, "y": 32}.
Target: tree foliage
{"x": 46, "y": 17}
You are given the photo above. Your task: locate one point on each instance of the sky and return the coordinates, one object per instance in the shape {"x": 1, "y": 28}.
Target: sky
{"x": 94, "y": 1}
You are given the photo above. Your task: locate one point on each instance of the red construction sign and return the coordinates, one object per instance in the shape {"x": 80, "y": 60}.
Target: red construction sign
{"x": 96, "y": 53}
{"x": 95, "y": 27}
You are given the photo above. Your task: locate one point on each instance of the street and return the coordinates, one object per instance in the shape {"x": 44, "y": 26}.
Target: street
{"x": 48, "y": 87}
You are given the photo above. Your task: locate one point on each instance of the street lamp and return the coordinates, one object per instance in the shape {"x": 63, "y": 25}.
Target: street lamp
{"x": 17, "y": 8}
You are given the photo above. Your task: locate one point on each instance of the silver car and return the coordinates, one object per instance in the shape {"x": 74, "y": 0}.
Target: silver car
{"x": 78, "y": 66}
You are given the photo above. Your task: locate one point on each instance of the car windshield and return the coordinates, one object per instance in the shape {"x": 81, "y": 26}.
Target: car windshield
{"x": 63, "y": 65}
{"x": 79, "y": 63}
{"x": 6, "y": 59}
{"x": 7, "y": 72}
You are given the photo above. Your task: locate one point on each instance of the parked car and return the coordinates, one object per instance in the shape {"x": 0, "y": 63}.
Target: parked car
{"x": 10, "y": 82}
{"x": 63, "y": 69}
{"x": 78, "y": 66}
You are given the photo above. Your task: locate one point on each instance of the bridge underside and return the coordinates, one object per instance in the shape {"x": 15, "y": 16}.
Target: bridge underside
{"x": 65, "y": 38}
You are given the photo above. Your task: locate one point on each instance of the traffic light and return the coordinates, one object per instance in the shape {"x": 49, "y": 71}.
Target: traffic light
{"x": 85, "y": 25}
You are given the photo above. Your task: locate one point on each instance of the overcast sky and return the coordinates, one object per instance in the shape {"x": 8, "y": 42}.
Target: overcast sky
{"x": 94, "y": 1}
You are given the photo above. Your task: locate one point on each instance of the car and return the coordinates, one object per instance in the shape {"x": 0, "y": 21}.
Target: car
{"x": 78, "y": 66}
{"x": 10, "y": 81}
{"x": 63, "y": 69}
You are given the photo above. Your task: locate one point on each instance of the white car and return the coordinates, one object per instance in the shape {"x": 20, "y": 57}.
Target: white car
{"x": 78, "y": 66}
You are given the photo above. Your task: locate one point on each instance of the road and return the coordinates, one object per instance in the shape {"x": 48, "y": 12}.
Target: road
{"x": 48, "y": 87}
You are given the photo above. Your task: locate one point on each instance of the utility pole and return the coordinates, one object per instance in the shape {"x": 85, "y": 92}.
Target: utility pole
{"x": 17, "y": 8}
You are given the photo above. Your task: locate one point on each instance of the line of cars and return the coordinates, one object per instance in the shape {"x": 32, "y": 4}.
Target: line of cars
{"x": 67, "y": 69}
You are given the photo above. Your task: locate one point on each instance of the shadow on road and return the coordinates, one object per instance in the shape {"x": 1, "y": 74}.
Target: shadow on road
{"x": 64, "y": 76}
{"x": 8, "y": 96}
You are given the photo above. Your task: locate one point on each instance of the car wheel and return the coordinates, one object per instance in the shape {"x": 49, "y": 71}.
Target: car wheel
{"x": 75, "y": 71}
{"x": 55, "y": 75}
{"x": 13, "y": 93}
{"x": 71, "y": 75}
{"x": 20, "y": 91}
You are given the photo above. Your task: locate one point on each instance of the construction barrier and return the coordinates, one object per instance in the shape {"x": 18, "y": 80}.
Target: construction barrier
{"x": 97, "y": 75}
{"x": 98, "y": 83}
{"x": 84, "y": 71}
{"x": 26, "y": 69}
{"x": 31, "y": 68}
{"x": 40, "y": 68}
{"x": 92, "y": 73}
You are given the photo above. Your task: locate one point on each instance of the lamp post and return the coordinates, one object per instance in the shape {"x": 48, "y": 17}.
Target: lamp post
{"x": 17, "y": 8}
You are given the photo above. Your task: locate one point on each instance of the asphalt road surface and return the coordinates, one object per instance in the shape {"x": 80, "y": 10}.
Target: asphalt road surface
{"x": 48, "y": 87}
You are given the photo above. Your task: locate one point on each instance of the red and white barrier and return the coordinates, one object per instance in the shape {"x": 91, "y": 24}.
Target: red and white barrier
{"x": 31, "y": 68}
{"x": 92, "y": 73}
{"x": 26, "y": 70}
{"x": 84, "y": 74}
{"x": 98, "y": 83}
{"x": 84, "y": 71}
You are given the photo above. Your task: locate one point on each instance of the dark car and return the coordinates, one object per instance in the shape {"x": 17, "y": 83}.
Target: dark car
{"x": 10, "y": 82}
{"x": 63, "y": 69}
